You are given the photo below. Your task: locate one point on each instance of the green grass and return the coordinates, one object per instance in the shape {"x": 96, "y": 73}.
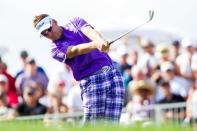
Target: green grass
{"x": 40, "y": 126}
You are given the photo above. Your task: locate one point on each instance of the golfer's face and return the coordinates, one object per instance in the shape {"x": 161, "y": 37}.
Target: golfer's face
{"x": 53, "y": 32}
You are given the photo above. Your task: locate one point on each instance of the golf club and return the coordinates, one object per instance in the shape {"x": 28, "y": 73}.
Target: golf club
{"x": 151, "y": 15}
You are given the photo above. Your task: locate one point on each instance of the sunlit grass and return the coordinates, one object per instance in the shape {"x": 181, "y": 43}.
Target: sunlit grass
{"x": 63, "y": 126}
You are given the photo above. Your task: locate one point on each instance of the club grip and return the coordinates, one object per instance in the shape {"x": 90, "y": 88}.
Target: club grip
{"x": 111, "y": 42}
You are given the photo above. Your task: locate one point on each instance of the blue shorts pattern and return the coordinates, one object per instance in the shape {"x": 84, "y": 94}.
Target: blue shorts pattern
{"x": 103, "y": 96}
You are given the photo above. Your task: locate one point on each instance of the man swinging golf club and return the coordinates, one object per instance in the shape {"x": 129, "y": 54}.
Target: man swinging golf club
{"x": 78, "y": 45}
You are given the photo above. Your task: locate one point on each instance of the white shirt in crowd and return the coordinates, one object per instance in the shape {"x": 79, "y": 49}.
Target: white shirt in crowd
{"x": 180, "y": 86}
{"x": 184, "y": 63}
{"x": 67, "y": 77}
{"x": 147, "y": 61}
{"x": 73, "y": 99}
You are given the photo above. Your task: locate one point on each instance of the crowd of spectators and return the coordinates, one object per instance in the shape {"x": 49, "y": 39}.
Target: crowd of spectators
{"x": 156, "y": 73}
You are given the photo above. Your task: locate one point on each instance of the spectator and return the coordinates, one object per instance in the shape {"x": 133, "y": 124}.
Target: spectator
{"x": 149, "y": 62}
{"x": 30, "y": 75}
{"x": 169, "y": 97}
{"x": 6, "y": 113}
{"x": 142, "y": 98}
{"x": 73, "y": 99}
{"x": 8, "y": 82}
{"x": 163, "y": 55}
{"x": 39, "y": 91}
{"x": 55, "y": 96}
{"x": 178, "y": 85}
{"x": 174, "y": 50}
{"x": 66, "y": 78}
{"x": 192, "y": 105}
{"x": 24, "y": 58}
{"x": 170, "y": 114}
{"x": 123, "y": 63}
{"x": 133, "y": 57}
{"x": 184, "y": 59}
{"x": 194, "y": 66}
{"x": 137, "y": 73}
{"x": 132, "y": 61}
{"x": 30, "y": 105}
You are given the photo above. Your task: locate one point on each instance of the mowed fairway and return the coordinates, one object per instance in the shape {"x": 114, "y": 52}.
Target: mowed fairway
{"x": 40, "y": 126}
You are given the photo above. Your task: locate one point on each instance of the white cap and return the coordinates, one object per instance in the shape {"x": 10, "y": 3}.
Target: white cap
{"x": 166, "y": 66}
{"x": 187, "y": 42}
{"x": 3, "y": 78}
{"x": 44, "y": 24}
{"x": 162, "y": 50}
{"x": 145, "y": 42}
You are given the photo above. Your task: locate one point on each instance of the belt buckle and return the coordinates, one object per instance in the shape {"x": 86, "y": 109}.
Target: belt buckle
{"x": 105, "y": 69}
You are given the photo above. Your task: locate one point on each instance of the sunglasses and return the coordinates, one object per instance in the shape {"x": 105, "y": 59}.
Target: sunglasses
{"x": 2, "y": 83}
{"x": 46, "y": 32}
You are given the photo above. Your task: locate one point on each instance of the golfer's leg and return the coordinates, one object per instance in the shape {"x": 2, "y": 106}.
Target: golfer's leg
{"x": 115, "y": 98}
{"x": 93, "y": 95}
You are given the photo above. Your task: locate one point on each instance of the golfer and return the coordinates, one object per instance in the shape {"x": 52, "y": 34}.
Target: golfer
{"x": 78, "y": 45}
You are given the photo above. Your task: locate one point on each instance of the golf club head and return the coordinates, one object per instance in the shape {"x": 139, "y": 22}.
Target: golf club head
{"x": 151, "y": 15}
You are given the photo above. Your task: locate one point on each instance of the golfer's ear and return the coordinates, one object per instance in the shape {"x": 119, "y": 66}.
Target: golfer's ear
{"x": 54, "y": 21}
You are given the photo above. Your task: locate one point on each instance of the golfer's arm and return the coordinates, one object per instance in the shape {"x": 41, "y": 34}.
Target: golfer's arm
{"x": 80, "y": 49}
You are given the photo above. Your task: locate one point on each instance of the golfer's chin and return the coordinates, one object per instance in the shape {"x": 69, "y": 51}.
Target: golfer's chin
{"x": 54, "y": 38}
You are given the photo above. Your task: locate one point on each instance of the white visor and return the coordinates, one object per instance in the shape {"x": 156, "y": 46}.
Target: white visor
{"x": 44, "y": 24}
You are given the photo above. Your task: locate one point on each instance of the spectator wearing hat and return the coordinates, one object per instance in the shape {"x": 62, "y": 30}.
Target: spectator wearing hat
{"x": 184, "y": 60}
{"x": 137, "y": 108}
{"x": 31, "y": 75}
{"x": 137, "y": 75}
{"x": 149, "y": 62}
{"x": 178, "y": 85}
{"x": 24, "y": 58}
{"x": 163, "y": 55}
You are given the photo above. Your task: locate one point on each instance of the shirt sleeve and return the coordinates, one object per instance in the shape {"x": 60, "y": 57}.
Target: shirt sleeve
{"x": 59, "y": 52}
{"x": 19, "y": 82}
{"x": 80, "y": 23}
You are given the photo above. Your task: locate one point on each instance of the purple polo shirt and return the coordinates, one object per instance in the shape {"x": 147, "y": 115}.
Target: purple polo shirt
{"x": 81, "y": 65}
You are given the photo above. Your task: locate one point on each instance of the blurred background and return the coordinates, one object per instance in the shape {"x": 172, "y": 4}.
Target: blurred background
{"x": 158, "y": 61}
{"x": 17, "y": 32}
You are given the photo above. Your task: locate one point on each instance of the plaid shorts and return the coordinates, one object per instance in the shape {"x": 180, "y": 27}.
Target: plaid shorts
{"x": 103, "y": 95}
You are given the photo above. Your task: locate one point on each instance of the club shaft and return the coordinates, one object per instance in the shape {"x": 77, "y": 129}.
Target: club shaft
{"x": 111, "y": 42}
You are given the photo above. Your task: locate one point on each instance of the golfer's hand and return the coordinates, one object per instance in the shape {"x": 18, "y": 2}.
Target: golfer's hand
{"x": 103, "y": 46}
